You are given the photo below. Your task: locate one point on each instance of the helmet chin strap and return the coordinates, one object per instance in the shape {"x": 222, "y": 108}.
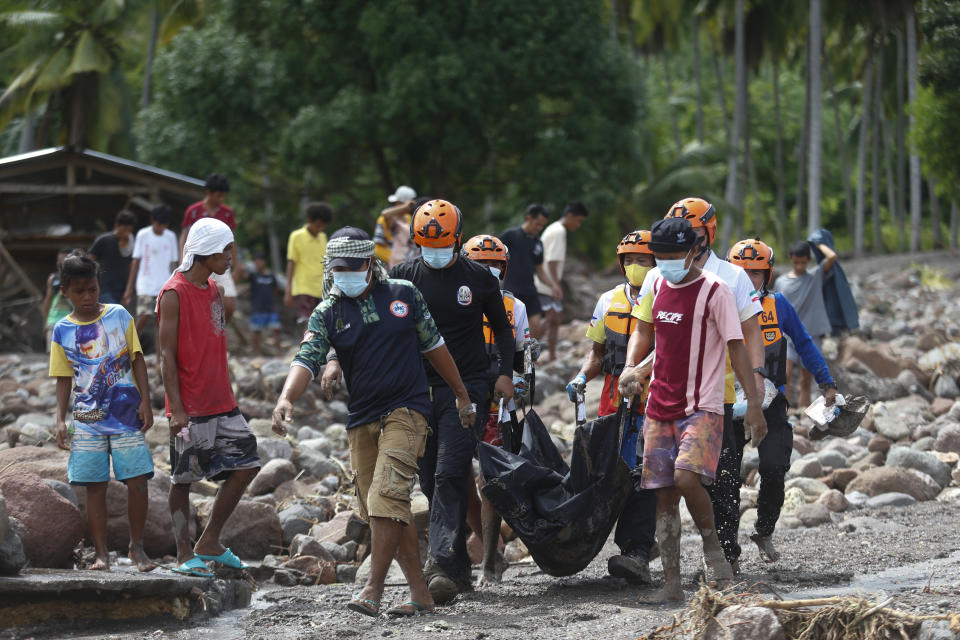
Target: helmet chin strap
{"x": 704, "y": 248}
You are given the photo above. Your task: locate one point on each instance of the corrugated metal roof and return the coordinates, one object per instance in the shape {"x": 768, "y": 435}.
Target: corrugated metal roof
{"x": 104, "y": 157}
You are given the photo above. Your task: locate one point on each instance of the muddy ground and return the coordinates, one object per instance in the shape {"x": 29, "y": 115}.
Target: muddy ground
{"x": 910, "y": 553}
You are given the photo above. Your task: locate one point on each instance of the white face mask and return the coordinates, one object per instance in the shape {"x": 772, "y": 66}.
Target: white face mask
{"x": 437, "y": 257}
{"x": 674, "y": 270}
{"x": 351, "y": 283}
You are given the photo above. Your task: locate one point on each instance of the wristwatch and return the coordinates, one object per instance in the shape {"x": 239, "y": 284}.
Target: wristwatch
{"x": 762, "y": 371}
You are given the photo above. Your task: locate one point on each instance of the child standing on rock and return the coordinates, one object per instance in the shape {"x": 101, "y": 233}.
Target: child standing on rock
{"x": 93, "y": 350}
{"x": 695, "y": 317}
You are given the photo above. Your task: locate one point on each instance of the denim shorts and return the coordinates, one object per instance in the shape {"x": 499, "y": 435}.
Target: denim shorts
{"x": 268, "y": 320}
{"x": 90, "y": 455}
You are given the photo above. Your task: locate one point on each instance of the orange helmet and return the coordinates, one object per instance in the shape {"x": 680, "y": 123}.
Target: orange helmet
{"x": 437, "y": 223}
{"x": 635, "y": 242}
{"x": 487, "y": 247}
{"x": 753, "y": 254}
{"x": 699, "y": 212}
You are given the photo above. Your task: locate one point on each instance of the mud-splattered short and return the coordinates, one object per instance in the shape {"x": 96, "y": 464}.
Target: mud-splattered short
{"x": 385, "y": 458}
{"x": 213, "y": 447}
{"x": 692, "y": 443}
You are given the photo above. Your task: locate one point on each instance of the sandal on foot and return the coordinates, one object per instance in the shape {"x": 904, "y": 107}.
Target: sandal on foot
{"x": 227, "y": 558}
{"x": 364, "y": 606}
{"x": 194, "y": 567}
{"x": 408, "y": 609}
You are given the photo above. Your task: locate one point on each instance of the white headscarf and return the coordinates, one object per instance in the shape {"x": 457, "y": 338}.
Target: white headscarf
{"x": 207, "y": 236}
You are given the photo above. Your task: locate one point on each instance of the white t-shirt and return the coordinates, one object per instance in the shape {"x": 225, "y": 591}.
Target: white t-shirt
{"x": 158, "y": 255}
{"x": 748, "y": 302}
{"x": 554, "y": 240}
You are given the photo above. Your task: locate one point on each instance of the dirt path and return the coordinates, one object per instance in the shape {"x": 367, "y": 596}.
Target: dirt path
{"x": 888, "y": 551}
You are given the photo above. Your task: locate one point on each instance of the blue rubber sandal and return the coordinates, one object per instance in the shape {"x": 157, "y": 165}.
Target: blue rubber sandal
{"x": 227, "y": 558}
{"x": 194, "y": 567}
{"x": 408, "y": 609}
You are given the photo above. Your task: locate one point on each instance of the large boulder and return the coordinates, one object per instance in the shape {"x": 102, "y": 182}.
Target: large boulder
{"x": 46, "y": 462}
{"x": 875, "y": 356}
{"x": 315, "y": 463}
{"x": 335, "y": 529}
{"x": 158, "y": 537}
{"x": 806, "y": 467}
{"x": 892, "y": 499}
{"x": 298, "y": 518}
{"x": 877, "y": 480}
{"x": 322, "y": 571}
{"x": 12, "y": 557}
{"x": 53, "y": 525}
{"x": 892, "y": 427}
{"x": 252, "y": 530}
{"x": 274, "y": 473}
{"x": 928, "y": 463}
{"x": 273, "y": 448}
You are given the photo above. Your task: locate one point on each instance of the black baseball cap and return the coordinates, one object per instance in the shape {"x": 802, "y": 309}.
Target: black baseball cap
{"x": 671, "y": 235}
{"x": 349, "y": 233}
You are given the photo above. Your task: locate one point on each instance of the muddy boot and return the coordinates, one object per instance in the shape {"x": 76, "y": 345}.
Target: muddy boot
{"x": 631, "y": 566}
{"x": 719, "y": 573}
{"x": 442, "y": 588}
{"x": 767, "y": 551}
{"x": 668, "y": 537}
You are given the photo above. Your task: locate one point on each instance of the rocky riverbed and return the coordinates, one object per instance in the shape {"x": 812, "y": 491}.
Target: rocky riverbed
{"x": 861, "y": 512}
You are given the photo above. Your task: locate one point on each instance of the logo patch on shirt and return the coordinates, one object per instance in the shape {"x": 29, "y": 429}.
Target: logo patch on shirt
{"x": 770, "y": 336}
{"x": 464, "y": 296}
{"x": 307, "y": 336}
{"x": 670, "y": 317}
{"x": 399, "y": 308}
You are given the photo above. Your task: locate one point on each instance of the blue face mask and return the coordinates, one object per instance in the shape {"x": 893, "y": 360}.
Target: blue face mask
{"x": 437, "y": 257}
{"x": 351, "y": 283}
{"x": 495, "y": 272}
{"x": 674, "y": 270}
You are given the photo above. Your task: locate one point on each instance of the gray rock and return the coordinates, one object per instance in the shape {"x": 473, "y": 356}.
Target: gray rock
{"x": 857, "y": 499}
{"x": 63, "y": 489}
{"x": 928, "y": 463}
{"x": 892, "y": 499}
{"x": 273, "y": 449}
{"x": 948, "y": 438}
{"x": 751, "y": 461}
{"x": 347, "y": 573}
{"x": 298, "y": 518}
{"x": 879, "y": 480}
{"x": 304, "y": 545}
{"x": 833, "y": 459}
{"x": 32, "y": 435}
{"x": 936, "y": 630}
{"x": 320, "y": 443}
{"x": 907, "y": 378}
{"x": 810, "y": 486}
{"x": 806, "y": 467}
{"x": 306, "y": 433}
{"x": 44, "y": 420}
{"x": 946, "y": 387}
{"x": 315, "y": 463}
{"x": 925, "y": 443}
{"x": 394, "y": 573}
{"x": 338, "y": 552}
{"x": 337, "y": 434}
{"x": 339, "y": 410}
{"x": 740, "y": 622}
{"x": 12, "y": 556}
{"x": 813, "y": 514}
{"x": 892, "y": 427}
{"x": 274, "y": 473}
{"x": 287, "y": 577}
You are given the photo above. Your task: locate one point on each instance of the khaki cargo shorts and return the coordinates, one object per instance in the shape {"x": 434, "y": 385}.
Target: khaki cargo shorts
{"x": 384, "y": 455}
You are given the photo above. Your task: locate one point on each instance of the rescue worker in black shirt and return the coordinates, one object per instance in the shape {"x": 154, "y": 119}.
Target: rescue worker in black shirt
{"x": 459, "y": 293}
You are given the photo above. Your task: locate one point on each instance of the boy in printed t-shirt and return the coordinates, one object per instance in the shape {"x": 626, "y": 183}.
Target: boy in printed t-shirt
{"x": 695, "y": 317}
{"x": 93, "y": 350}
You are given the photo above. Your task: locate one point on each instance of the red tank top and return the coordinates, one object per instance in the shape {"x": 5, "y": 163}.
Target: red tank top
{"x": 201, "y": 349}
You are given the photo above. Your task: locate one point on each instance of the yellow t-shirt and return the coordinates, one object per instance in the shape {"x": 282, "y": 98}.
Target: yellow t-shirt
{"x": 307, "y": 251}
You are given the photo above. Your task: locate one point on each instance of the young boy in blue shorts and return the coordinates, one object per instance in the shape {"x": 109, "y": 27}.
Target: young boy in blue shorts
{"x": 263, "y": 303}
{"x": 94, "y": 350}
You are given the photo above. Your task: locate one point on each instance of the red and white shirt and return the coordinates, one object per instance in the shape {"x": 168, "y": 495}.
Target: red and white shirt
{"x": 693, "y": 321}
{"x": 198, "y": 211}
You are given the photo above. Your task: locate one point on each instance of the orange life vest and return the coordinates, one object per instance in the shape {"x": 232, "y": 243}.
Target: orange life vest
{"x": 774, "y": 344}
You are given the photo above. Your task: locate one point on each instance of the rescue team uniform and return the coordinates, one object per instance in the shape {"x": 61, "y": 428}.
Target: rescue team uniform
{"x": 217, "y": 439}
{"x": 517, "y": 315}
{"x": 778, "y": 322}
{"x": 683, "y": 426}
{"x": 379, "y": 340}
{"x": 725, "y": 491}
{"x": 198, "y": 211}
{"x": 611, "y": 325}
{"x": 458, "y": 298}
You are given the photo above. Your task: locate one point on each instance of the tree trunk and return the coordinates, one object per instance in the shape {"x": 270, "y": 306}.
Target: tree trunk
{"x": 272, "y": 241}
{"x": 888, "y": 152}
{"x": 862, "y": 152}
{"x": 146, "y": 96}
{"x": 613, "y": 19}
{"x": 954, "y": 224}
{"x": 841, "y": 151}
{"x": 77, "y": 128}
{"x": 815, "y": 45}
{"x": 935, "y": 215}
{"x": 877, "y": 244}
{"x": 802, "y": 156}
{"x": 695, "y": 41}
{"x": 27, "y": 130}
{"x": 915, "y": 194}
{"x": 668, "y": 81}
{"x": 721, "y": 93}
{"x": 900, "y": 214}
{"x": 733, "y": 192}
{"x": 778, "y": 151}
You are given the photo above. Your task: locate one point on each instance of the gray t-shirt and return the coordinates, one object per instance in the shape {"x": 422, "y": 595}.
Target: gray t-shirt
{"x": 805, "y": 293}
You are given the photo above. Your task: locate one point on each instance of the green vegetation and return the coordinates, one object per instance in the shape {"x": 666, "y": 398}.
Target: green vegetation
{"x": 624, "y": 104}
